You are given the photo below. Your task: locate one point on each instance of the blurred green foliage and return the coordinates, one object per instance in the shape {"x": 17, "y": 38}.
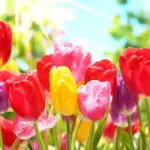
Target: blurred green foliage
{"x": 133, "y": 31}
{"x": 29, "y": 41}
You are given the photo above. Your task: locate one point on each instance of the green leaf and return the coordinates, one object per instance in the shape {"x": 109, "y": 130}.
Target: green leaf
{"x": 8, "y": 115}
{"x": 125, "y": 139}
{"x": 143, "y": 138}
{"x": 99, "y": 131}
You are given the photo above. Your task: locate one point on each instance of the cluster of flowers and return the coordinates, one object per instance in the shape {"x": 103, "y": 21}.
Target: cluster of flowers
{"x": 68, "y": 82}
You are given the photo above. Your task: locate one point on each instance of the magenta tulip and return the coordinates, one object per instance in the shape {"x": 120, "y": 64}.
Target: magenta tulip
{"x": 74, "y": 58}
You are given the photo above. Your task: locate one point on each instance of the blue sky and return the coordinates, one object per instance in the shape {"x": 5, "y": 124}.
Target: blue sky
{"x": 94, "y": 28}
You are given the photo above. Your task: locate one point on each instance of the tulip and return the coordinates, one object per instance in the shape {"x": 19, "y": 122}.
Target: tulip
{"x": 110, "y": 129}
{"x": 11, "y": 66}
{"x": 63, "y": 46}
{"x": 5, "y": 75}
{"x": 63, "y": 91}
{"x": 4, "y": 102}
{"x": 124, "y": 103}
{"x": 71, "y": 118}
{"x": 75, "y": 59}
{"x": 124, "y": 100}
{"x": 43, "y": 66}
{"x": 34, "y": 145}
{"x": 7, "y": 129}
{"x": 63, "y": 141}
{"x": 84, "y": 130}
{"x": 5, "y": 42}
{"x": 135, "y": 128}
{"x": 24, "y": 128}
{"x": 26, "y": 95}
{"x": 134, "y": 65}
{"x": 102, "y": 70}
{"x": 93, "y": 99}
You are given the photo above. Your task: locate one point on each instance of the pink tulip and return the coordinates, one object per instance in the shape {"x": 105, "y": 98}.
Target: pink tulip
{"x": 62, "y": 46}
{"x": 74, "y": 58}
{"x": 63, "y": 141}
{"x": 24, "y": 128}
{"x": 34, "y": 145}
{"x": 94, "y": 98}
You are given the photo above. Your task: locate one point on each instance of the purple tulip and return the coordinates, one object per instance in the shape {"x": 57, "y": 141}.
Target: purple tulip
{"x": 124, "y": 103}
{"x": 4, "y": 102}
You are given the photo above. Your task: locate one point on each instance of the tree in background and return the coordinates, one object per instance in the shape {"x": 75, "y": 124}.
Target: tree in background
{"x": 133, "y": 31}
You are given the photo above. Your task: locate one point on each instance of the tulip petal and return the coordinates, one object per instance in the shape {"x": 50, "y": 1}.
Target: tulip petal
{"x": 24, "y": 128}
{"x": 93, "y": 99}
{"x": 75, "y": 59}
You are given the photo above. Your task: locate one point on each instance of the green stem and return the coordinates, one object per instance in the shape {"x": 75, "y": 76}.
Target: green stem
{"x": 15, "y": 144}
{"x": 148, "y": 116}
{"x": 68, "y": 133}
{"x": 38, "y": 136}
{"x": 75, "y": 134}
{"x": 90, "y": 138}
{"x": 130, "y": 131}
{"x": 1, "y": 139}
{"x": 106, "y": 147}
{"x": 99, "y": 131}
{"x": 116, "y": 145}
{"x": 73, "y": 124}
{"x": 55, "y": 136}
{"x": 139, "y": 115}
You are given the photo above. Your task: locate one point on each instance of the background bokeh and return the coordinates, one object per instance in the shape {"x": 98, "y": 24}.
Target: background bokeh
{"x": 103, "y": 27}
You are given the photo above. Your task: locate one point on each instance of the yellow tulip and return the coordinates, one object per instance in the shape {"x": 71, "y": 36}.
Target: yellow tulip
{"x": 84, "y": 130}
{"x": 11, "y": 66}
{"x": 63, "y": 91}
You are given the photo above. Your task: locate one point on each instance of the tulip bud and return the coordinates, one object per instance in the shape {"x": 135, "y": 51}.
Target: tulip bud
{"x": 63, "y": 91}
{"x": 63, "y": 141}
{"x": 93, "y": 99}
{"x": 102, "y": 70}
{"x": 135, "y": 65}
{"x": 44, "y": 66}
{"x": 84, "y": 130}
{"x": 73, "y": 57}
{"x": 5, "y": 42}
{"x": 124, "y": 103}
{"x": 26, "y": 95}
{"x": 8, "y": 134}
{"x": 4, "y": 102}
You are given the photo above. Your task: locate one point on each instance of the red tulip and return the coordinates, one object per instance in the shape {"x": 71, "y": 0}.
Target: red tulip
{"x": 26, "y": 95}
{"x": 5, "y": 42}
{"x": 4, "y": 75}
{"x": 135, "y": 65}
{"x": 110, "y": 129}
{"x": 102, "y": 70}
{"x": 43, "y": 66}
{"x": 135, "y": 128}
{"x": 8, "y": 135}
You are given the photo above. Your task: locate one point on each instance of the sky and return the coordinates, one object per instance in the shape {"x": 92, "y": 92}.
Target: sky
{"x": 87, "y": 21}
{"x": 92, "y": 29}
